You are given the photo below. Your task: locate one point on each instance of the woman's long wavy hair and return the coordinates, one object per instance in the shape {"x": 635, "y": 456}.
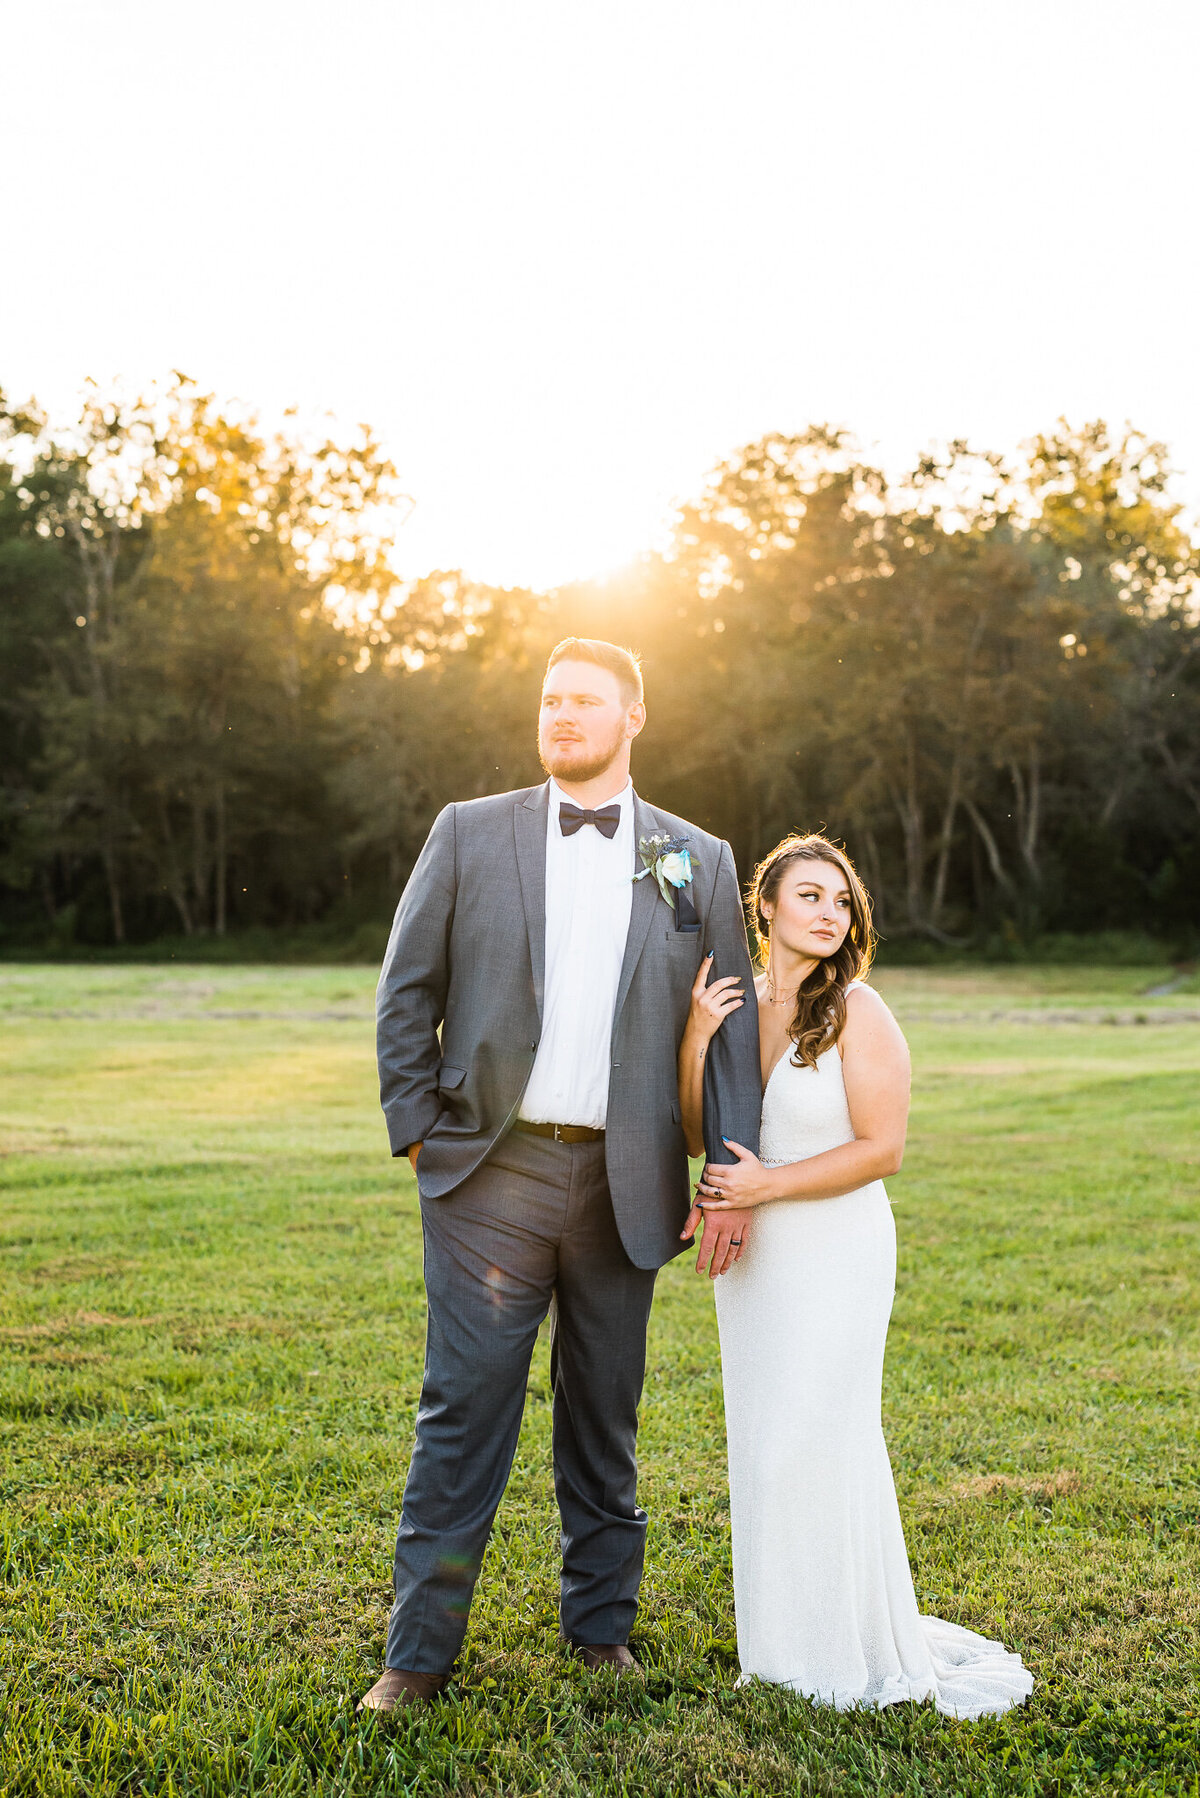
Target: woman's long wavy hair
{"x": 820, "y": 1014}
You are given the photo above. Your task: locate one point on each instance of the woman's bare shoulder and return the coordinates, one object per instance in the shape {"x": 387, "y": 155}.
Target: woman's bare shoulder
{"x": 865, "y": 1000}
{"x": 868, "y": 1012}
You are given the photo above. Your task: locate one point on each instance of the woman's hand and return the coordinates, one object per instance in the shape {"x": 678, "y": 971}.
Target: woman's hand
{"x": 708, "y": 1010}
{"x": 712, "y": 1004}
{"x": 736, "y": 1188}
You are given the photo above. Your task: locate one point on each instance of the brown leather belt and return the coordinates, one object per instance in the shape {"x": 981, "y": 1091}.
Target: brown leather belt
{"x": 561, "y": 1132}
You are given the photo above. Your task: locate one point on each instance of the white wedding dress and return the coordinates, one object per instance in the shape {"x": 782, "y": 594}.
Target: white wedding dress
{"x": 823, "y": 1593}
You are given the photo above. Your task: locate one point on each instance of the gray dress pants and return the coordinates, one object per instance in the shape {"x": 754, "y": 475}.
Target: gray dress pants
{"x": 533, "y": 1225}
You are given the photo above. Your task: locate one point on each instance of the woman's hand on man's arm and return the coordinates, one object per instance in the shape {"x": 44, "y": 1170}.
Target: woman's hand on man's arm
{"x": 877, "y": 1073}
{"x": 710, "y": 1005}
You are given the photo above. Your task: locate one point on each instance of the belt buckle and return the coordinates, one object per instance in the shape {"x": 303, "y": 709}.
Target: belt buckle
{"x": 557, "y": 1137}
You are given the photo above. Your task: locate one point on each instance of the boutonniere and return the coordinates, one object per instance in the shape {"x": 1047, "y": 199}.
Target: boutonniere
{"x": 669, "y": 859}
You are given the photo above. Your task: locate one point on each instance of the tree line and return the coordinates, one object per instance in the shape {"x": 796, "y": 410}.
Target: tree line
{"x": 220, "y": 709}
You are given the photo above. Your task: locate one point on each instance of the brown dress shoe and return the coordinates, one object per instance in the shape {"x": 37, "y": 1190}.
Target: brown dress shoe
{"x": 395, "y": 1688}
{"x": 606, "y": 1654}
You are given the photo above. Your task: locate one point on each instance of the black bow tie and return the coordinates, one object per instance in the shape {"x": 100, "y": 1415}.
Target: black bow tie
{"x": 571, "y": 818}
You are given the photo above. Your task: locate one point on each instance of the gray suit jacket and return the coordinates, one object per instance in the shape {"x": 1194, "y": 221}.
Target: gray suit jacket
{"x": 467, "y": 958}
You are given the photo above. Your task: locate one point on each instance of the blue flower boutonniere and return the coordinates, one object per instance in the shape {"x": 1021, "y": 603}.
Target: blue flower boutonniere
{"x": 669, "y": 859}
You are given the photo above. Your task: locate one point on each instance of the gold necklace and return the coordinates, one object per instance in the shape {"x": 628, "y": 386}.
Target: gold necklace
{"x": 773, "y": 992}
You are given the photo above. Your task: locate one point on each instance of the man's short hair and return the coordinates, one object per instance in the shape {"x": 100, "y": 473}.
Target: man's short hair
{"x": 624, "y": 663}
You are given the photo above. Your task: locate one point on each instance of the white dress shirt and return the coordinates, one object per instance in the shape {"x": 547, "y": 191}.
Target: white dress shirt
{"x": 589, "y": 892}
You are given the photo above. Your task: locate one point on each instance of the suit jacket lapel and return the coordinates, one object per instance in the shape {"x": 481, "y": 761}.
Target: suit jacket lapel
{"x": 529, "y": 826}
{"x": 646, "y": 897}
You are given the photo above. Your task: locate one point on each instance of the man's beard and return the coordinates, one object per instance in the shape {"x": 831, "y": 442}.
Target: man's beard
{"x": 555, "y": 760}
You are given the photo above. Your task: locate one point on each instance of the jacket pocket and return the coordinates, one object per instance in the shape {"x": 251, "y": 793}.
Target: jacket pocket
{"x": 449, "y": 1078}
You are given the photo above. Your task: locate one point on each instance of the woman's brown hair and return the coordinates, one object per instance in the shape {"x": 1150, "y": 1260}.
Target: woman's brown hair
{"x": 820, "y": 1014}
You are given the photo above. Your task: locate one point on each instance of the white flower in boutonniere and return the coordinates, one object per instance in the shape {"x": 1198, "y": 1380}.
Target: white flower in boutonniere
{"x": 669, "y": 859}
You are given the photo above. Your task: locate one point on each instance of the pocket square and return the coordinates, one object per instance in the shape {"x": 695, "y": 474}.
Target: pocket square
{"x": 686, "y": 918}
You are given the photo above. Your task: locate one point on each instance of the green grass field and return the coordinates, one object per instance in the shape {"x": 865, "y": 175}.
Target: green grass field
{"x": 211, "y": 1326}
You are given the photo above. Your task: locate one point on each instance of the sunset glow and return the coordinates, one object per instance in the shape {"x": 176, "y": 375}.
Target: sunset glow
{"x": 567, "y": 258}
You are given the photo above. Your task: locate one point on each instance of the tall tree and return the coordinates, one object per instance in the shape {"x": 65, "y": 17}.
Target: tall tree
{"x": 187, "y": 734}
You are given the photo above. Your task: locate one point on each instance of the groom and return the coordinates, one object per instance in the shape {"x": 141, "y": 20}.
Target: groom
{"x": 529, "y": 1014}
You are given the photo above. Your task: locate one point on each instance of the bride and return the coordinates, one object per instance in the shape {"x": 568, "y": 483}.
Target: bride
{"x": 822, "y": 1588}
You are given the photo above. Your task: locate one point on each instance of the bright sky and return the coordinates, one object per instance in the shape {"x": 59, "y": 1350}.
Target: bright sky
{"x": 566, "y": 256}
